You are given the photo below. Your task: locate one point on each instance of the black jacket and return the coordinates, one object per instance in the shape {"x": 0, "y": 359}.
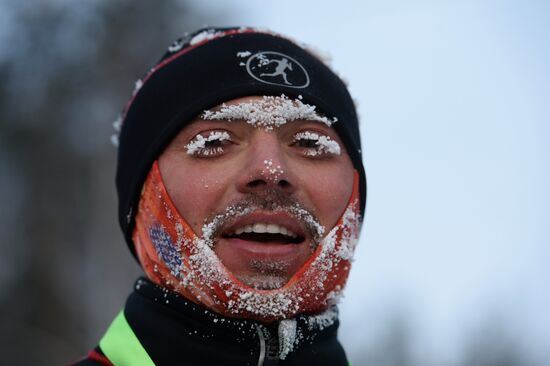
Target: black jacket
{"x": 174, "y": 331}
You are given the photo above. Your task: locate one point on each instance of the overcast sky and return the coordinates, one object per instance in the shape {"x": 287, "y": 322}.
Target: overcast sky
{"x": 454, "y": 99}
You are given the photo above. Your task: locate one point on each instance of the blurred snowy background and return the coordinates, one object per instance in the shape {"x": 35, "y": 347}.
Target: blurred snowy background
{"x": 454, "y": 96}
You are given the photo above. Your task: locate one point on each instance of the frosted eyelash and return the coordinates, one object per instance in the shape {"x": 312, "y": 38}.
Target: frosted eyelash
{"x": 198, "y": 145}
{"x": 323, "y": 144}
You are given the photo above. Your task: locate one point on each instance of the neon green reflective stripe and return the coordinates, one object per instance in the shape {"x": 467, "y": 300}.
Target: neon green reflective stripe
{"x": 121, "y": 345}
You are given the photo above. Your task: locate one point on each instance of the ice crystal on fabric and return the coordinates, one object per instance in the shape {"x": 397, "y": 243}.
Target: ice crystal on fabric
{"x": 114, "y": 140}
{"x": 348, "y": 242}
{"x": 177, "y": 45}
{"x": 323, "y": 320}
{"x": 206, "y": 35}
{"x": 117, "y": 126}
{"x": 137, "y": 86}
{"x": 335, "y": 296}
{"x": 287, "y": 337}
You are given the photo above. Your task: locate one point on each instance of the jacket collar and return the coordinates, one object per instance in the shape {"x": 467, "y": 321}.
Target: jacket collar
{"x": 171, "y": 327}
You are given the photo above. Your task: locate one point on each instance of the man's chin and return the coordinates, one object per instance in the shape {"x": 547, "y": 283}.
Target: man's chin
{"x": 263, "y": 282}
{"x": 263, "y": 273}
{"x": 263, "y": 266}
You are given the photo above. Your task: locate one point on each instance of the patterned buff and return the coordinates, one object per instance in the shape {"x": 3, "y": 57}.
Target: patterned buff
{"x": 175, "y": 257}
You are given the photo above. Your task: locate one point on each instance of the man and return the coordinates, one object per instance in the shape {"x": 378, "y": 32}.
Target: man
{"x": 241, "y": 189}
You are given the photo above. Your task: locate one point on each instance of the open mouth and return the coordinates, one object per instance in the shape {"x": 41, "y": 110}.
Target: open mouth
{"x": 262, "y": 232}
{"x": 264, "y": 249}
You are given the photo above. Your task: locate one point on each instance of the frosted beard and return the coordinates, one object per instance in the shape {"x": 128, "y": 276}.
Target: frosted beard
{"x": 175, "y": 257}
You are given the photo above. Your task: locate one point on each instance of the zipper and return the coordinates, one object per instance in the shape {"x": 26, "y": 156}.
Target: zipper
{"x": 262, "y": 345}
{"x": 269, "y": 346}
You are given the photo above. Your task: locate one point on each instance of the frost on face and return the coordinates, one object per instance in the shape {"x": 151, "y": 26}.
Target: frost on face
{"x": 321, "y": 144}
{"x": 180, "y": 260}
{"x": 198, "y": 146}
{"x": 272, "y": 172}
{"x": 269, "y": 112}
{"x": 213, "y": 226}
{"x": 232, "y": 212}
{"x": 210, "y": 271}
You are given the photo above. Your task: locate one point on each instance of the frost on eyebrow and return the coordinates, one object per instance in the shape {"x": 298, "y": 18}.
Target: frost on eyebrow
{"x": 199, "y": 142}
{"x": 324, "y": 144}
{"x": 268, "y": 112}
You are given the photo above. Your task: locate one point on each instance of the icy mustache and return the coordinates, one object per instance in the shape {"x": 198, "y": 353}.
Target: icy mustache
{"x": 274, "y": 202}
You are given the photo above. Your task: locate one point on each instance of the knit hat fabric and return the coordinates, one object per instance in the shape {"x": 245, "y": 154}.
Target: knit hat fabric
{"x": 212, "y": 66}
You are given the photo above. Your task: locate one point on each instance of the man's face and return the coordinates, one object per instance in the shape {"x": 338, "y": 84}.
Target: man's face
{"x": 270, "y": 192}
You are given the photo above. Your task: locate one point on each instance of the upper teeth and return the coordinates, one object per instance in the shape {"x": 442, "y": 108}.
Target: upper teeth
{"x": 261, "y": 227}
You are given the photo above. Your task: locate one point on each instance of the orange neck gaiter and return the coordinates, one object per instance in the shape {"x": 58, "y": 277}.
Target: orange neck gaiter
{"x": 176, "y": 258}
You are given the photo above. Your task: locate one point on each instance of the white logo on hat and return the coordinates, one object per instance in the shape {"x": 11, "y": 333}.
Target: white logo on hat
{"x": 276, "y": 68}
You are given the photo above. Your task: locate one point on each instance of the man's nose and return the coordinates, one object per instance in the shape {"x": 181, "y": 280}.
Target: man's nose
{"x": 267, "y": 166}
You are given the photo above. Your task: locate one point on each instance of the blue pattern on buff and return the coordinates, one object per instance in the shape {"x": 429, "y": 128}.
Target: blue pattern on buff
{"x": 165, "y": 248}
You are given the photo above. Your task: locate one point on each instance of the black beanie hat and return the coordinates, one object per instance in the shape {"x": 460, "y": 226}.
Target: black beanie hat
{"x": 207, "y": 68}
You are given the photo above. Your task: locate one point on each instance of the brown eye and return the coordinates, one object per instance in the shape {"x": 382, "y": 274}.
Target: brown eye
{"x": 213, "y": 143}
{"x": 307, "y": 143}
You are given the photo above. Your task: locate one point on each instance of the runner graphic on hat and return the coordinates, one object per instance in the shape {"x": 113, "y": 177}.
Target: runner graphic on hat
{"x": 282, "y": 65}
